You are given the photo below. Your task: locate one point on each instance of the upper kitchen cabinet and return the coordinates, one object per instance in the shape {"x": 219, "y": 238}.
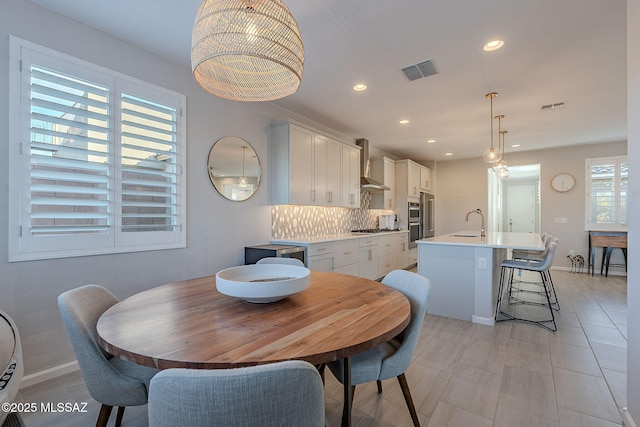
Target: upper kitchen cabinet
{"x": 327, "y": 171}
{"x": 384, "y": 171}
{"x": 407, "y": 180}
{"x": 426, "y": 180}
{"x": 292, "y": 164}
{"x": 350, "y": 176}
{"x": 306, "y": 165}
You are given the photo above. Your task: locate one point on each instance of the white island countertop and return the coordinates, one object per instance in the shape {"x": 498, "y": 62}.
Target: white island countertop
{"x": 522, "y": 241}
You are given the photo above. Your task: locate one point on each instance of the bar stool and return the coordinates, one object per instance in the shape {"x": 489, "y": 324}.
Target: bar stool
{"x": 539, "y": 256}
{"x": 533, "y": 255}
{"x": 520, "y": 302}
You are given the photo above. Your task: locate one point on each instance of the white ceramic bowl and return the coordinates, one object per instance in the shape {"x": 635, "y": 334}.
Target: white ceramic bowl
{"x": 262, "y": 283}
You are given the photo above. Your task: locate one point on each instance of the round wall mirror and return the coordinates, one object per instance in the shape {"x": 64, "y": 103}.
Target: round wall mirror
{"x": 234, "y": 168}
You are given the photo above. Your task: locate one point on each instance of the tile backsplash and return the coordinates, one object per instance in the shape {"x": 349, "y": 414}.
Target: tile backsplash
{"x": 288, "y": 221}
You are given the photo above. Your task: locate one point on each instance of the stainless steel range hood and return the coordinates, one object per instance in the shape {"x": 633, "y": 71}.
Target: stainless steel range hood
{"x": 367, "y": 183}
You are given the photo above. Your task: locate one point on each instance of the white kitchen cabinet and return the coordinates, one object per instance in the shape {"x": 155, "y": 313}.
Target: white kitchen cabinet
{"x": 407, "y": 188}
{"x": 414, "y": 180}
{"x": 350, "y": 176}
{"x": 306, "y": 166}
{"x": 369, "y": 255}
{"x": 426, "y": 178}
{"x": 321, "y": 263}
{"x": 369, "y": 258}
{"x": 292, "y": 165}
{"x": 407, "y": 183}
{"x": 387, "y": 254}
{"x": 384, "y": 171}
{"x": 320, "y": 256}
{"x": 327, "y": 171}
{"x": 346, "y": 257}
{"x": 402, "y": 250}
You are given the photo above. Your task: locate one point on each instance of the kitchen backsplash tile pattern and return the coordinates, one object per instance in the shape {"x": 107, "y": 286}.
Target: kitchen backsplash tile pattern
{"x": 288, "y": 221}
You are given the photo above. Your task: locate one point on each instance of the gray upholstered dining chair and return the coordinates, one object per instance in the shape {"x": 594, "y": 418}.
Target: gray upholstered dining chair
{"x": 392, "y": 359}
{"x": 280, "y": 260}
{"x": 279, "y": 394}
{"x": 110, "y": 380}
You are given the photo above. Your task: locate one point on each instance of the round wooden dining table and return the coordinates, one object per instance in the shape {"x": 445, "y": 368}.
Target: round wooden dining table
{"x": 189, "y": 324}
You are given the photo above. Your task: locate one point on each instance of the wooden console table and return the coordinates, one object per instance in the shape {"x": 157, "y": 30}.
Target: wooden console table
{"x": 608, "y": 241}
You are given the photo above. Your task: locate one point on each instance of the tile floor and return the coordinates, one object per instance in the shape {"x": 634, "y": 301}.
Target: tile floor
{"x": 464, "y": 374}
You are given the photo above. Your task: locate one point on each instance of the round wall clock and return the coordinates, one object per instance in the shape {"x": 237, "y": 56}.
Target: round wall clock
{"x": 563, "y": 182}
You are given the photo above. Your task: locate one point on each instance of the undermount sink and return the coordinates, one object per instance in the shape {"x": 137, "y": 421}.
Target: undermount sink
{"x": 465, "y": 235}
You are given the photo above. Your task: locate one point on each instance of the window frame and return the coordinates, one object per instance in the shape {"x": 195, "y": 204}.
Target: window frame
{"x": 617, "y": 161}
{"x": 24, "y": 245}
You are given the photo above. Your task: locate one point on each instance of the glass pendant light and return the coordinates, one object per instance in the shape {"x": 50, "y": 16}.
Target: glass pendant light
{"x": 503, "y": 171}
{"x": 500, "y": 163}
{"x": 491, "y": 154}
{"x": 243, "y": 179}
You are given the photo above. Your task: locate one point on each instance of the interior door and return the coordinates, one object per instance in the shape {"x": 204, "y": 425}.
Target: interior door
{"x": 521, "y": 208}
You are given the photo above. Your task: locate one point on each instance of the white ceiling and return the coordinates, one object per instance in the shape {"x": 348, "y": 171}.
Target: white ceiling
{"x": 571, "y": 51}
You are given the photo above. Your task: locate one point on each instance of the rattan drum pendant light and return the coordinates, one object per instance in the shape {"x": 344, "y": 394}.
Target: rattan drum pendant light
{"x": 246, "y": 50}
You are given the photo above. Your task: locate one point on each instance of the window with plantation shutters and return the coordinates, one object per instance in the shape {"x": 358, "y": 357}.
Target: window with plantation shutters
{"x": 607, "y": 192}
{"x": 149, "y": 172}
{"x": 69, "y": 155}
{"x": 96, "y": 159}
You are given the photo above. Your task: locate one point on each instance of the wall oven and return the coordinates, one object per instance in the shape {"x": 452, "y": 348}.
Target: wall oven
{"x": 414, "y": 224}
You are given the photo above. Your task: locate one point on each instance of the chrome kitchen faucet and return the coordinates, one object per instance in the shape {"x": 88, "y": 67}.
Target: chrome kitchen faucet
{"x": 479, "y": 212}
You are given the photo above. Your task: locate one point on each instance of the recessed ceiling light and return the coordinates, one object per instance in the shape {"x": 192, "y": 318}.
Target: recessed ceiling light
{"x": 360, "y": 87}
{"x": 403, "y": 121}
{"x": 515, "y": 146}
{"x": 431, "y": 141}
{"x": 493, "y": 45}
{"x": 448, "y": 154}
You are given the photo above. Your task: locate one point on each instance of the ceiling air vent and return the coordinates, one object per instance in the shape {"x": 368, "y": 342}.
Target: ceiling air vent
{"x": 418, "y": 71}
{"x": 550, "y": 107}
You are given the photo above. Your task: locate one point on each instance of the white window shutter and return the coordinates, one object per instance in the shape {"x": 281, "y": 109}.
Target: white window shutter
{"x": 96, "y": 159}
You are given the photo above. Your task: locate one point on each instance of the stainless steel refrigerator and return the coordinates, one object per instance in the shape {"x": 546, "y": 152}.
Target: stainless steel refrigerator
{"x": 427, "y": 215}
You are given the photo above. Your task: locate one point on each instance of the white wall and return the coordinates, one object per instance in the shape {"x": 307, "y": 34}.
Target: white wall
{"x": 218, "y": 229}
{"x": 633, "y": 279}
{"x": 461, "y": 186}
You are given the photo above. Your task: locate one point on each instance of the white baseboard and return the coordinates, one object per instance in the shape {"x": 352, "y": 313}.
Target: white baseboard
{"x": 48, "y": 374}
{"x": 584, "y": 271}
{"x": 489, "y": 321}
{"x": 627, "y": 421}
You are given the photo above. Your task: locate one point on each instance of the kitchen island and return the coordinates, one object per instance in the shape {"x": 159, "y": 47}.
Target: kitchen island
{"x": 464, "y": 269}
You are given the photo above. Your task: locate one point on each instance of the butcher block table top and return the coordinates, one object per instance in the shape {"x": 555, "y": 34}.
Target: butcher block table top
{"x": 189, "y": 324}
